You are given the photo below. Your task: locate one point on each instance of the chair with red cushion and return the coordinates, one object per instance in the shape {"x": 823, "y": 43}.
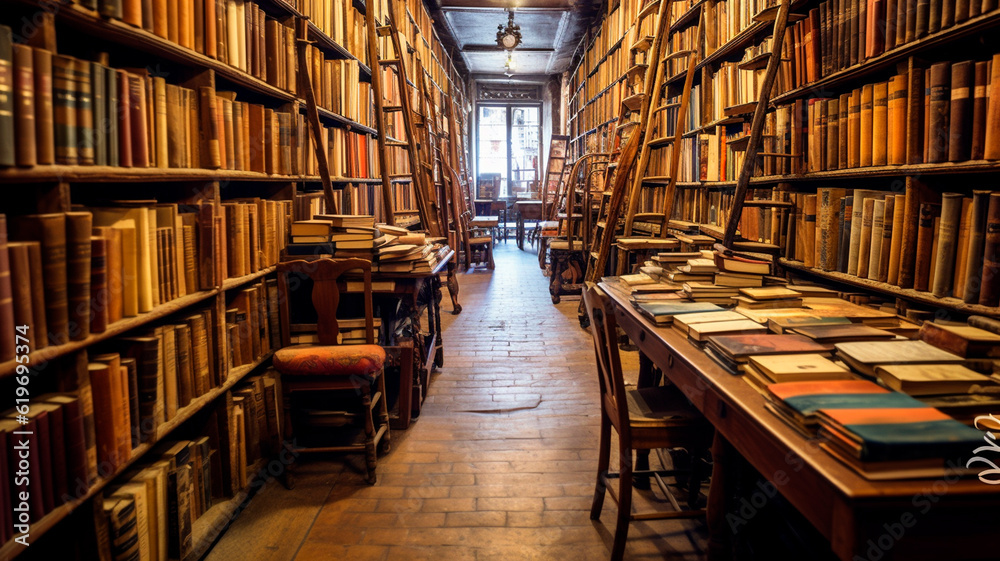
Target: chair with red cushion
{"x": 328, "y": 365}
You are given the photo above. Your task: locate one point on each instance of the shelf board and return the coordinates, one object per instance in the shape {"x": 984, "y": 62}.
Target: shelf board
{"x": 891, "y": 57}
{"x": 925, "y": 298}
{"x": 757, "y": 62}
{"x": 109, "y": 174}
{"x": 661, "y": 142}
{"x": 343, "y": 122}
{"x": 734, "y": 45}
{"x": 12, "y": 549}
{"x": 648, "y": 9}
{"x": 144, "y": 41}
{"x": 687, "y": 19}
{"x": 279, "y": 8}
{"x": 971, "y": 166}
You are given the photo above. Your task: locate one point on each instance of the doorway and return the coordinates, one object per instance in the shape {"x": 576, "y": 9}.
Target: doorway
{"x": 508, "y": 150}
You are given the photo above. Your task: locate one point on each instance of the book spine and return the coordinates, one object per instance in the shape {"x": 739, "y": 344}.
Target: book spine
{"x": 977, "y": 245}
{"x": 123, "y": 111}
{"x": 897, "y": 120}
{"x": 64, "y": 96}
{"x": 7, "y": 342}
{"x": 84, "y": 112}
{"x": 880, "y": 124}
{"x": 854, "y": 130}
{"x": 867, "y": 124}
{"x": 24, "y": 104}
{"x": 980, "y": 84}
{"x": 809, "y": 230}
{"x": 915, "y": 115}
{"x": 20, "y": 281}
{"x": 991, "y": 149}
{"x": 78, "y": 272}
{"x": 960, "y": 117}
{"x": 895, "y": 247}
{"x": 938, "y": 122}
{"x": 98, "y": 83}
{"x": 962, "y": 249}
{"x": 885, "y": 251}
{"x": 925, "y": 241}
{"x": 99, "y": 294}
{"x": 989, "y": 294}
{"x": 951, "y": 208}
{"x": 842, "y": 130}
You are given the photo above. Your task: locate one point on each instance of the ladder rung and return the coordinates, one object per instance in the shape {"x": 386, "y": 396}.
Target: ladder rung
{"x": 397, "y": 144}
{"x": 389, "y": 62}
{"x": 776, "y": 154}
{"x": 399, "y": 176}
{"x": 392, "y": 108}
{"x": 384, "y": 30}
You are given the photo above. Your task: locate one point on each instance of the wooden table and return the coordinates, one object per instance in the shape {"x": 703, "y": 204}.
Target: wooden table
{"x": 415, "y": 352}
{"x": 526, "y": 210}
{"x": 862, "y": 519}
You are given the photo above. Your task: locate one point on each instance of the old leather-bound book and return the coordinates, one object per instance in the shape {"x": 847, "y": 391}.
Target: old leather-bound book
{"x": 882, "y": 273}
{"x": 944, "y": 266}
{"x": 980, "y": 84}
{"x": 915, "y": 113}
{"x": 937, "y": 150}
{"x": 977, "y": 244}
{"x": 960, "y": 118}
{"x": 992, "y": 140}
{"x": 24, "y": 102}
{"x": 897, "y": 120}
{"x": 989, "y": 294}
{"x": 925, "y": 241}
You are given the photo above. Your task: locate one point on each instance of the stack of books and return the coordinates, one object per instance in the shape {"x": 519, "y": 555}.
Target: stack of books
{"x": 764, "y": 370}
{"x": 732, "y": 351}
{"x": 796, "y": 403}
{"x": 768, "y": 298}
{"x": 663, "y": 313}
{"x": 338, "y": 235}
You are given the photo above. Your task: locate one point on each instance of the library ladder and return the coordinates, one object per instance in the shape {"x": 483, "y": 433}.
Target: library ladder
{"x": 427, "y": 207}
{"x": 633, "y": 117}
{"x": 729, "y": 242}
{"x": 432, "y": 137}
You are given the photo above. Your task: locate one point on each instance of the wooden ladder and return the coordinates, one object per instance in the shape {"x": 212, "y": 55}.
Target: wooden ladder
{"x": 729, "y": 242}
{"x": 633, "y": 119}
{"x": 422, "y": 180}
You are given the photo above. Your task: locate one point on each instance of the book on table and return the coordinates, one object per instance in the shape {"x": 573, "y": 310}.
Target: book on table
{"x": 864, "y": 356}
{"x": 798, "y": 402}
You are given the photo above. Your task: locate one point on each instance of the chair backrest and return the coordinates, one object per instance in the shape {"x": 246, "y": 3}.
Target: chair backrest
{"x": 324, "y": 274}
{"x": 604, "y": 328}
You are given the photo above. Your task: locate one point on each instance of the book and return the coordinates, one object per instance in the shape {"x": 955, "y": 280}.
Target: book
{"x": 880, "y": 123}
{"x": 702, "y": 331}
{"x": 931, "y": 379}
{"x": 809, "y": 230}
{"x": 925, "y": 239}
{"x": 865, "y": 237}
{"x": 989, "y": 293}
{"x": 976, "y": 245}
{"x": 866, "y": 125}
{"x": 7, "y": 142}
{"x": 960, "y": 106}
{"x": 865, "y": 356}
{"x": 841, "y": 333}
{"x": 50, "y": 231}
{"x": 896, "y": 119}
{"x": 991, "y": 139}
{"x": 881, "y": 271}
{"x": 875, "y": 245}
{"x": 99, "y": 295}
{"x": 979, "y": 104}
{"x": 44, "y": 116}
{"x": 798, "y": 368}
{"x": 663, "y": 313}
{"x": 802, "y": 318}
{"x": 895, "y": 244}
{"x": 683, "y": 321}
{"x": 937, "y": 124}
{"x": 963, "y": 340}
{"x": 797, "y": 402}
{"x": 78, "y": 226}
{"x": 25, "y": 149}
{"x": 947, "y": 238}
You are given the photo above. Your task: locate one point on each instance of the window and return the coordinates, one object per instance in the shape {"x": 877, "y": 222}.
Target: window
{"x": 508, "y": 142}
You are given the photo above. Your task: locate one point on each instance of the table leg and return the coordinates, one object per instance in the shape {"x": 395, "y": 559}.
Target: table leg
{"x": 453, "y": 287}
{"x": 647, "y": 378}
{"x": 435, "y": 308}
{"x": 720, "y": 537}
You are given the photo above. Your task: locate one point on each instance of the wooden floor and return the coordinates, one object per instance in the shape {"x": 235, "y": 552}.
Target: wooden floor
{"x": 499, "y": 465}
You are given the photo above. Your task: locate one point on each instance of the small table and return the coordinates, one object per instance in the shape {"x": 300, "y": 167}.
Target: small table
{"x": 490, "y": 207}
{"x": 526, "y": 210}
{"x": 487, "y": 223}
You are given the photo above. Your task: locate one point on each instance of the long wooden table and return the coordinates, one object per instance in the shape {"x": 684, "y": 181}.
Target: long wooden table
{"x": 949, "y": 518}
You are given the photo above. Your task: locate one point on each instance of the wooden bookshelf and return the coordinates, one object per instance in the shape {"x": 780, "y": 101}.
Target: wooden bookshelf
{"x": 12, "y": 549}
{"x": 943, "y": 168}
{"x": 917, "y": 296}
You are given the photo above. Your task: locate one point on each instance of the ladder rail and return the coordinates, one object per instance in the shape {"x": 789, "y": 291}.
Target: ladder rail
{"x": 312, "y": 112}
{"x": 383, "y": 150}
{"x": 757, "y": 126}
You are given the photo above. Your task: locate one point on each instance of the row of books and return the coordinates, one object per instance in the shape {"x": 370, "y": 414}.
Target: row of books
{"x": 839, "y": 34}
{"x": 338, "y": 87}
{"x": 341, "y": 22}
{"x": 252, "y": 323}
{"x": 237, "y": 32}
{"x": 931, "y": 115}
{"x": 151, "y": 514}
{"x": 947, "y": 248}
{"x": 127, "y": 260}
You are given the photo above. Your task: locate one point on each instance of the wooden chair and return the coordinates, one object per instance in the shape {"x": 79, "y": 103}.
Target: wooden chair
{"x": 480, "y": 241}
{"x": 645, "y": 419}
{"x": 328, "y": 365}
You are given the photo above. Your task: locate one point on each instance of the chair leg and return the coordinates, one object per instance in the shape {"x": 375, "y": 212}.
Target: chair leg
{"x": 383, "y": 414}
{"x": 370, "y": 454}
{"x": 288, "y": 433}
{"x": 624, "y": 505}
{"x": 603, "y": 460}
{"x": 489, "y": 257}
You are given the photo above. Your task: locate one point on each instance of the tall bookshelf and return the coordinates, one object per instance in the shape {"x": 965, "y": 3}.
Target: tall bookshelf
{"x": 802, "y": 148}
{"x": 225, "y": 136}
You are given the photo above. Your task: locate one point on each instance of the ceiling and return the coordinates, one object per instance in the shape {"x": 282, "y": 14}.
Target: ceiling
{"x": 550, "y": 31}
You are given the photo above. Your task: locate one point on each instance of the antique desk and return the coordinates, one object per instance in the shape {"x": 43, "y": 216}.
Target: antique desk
{"x": 948, "y": 518}
{"x": 526, "y": 210}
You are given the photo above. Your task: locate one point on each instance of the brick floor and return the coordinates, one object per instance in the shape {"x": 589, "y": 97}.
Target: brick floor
{"x": 503, "y": 485}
